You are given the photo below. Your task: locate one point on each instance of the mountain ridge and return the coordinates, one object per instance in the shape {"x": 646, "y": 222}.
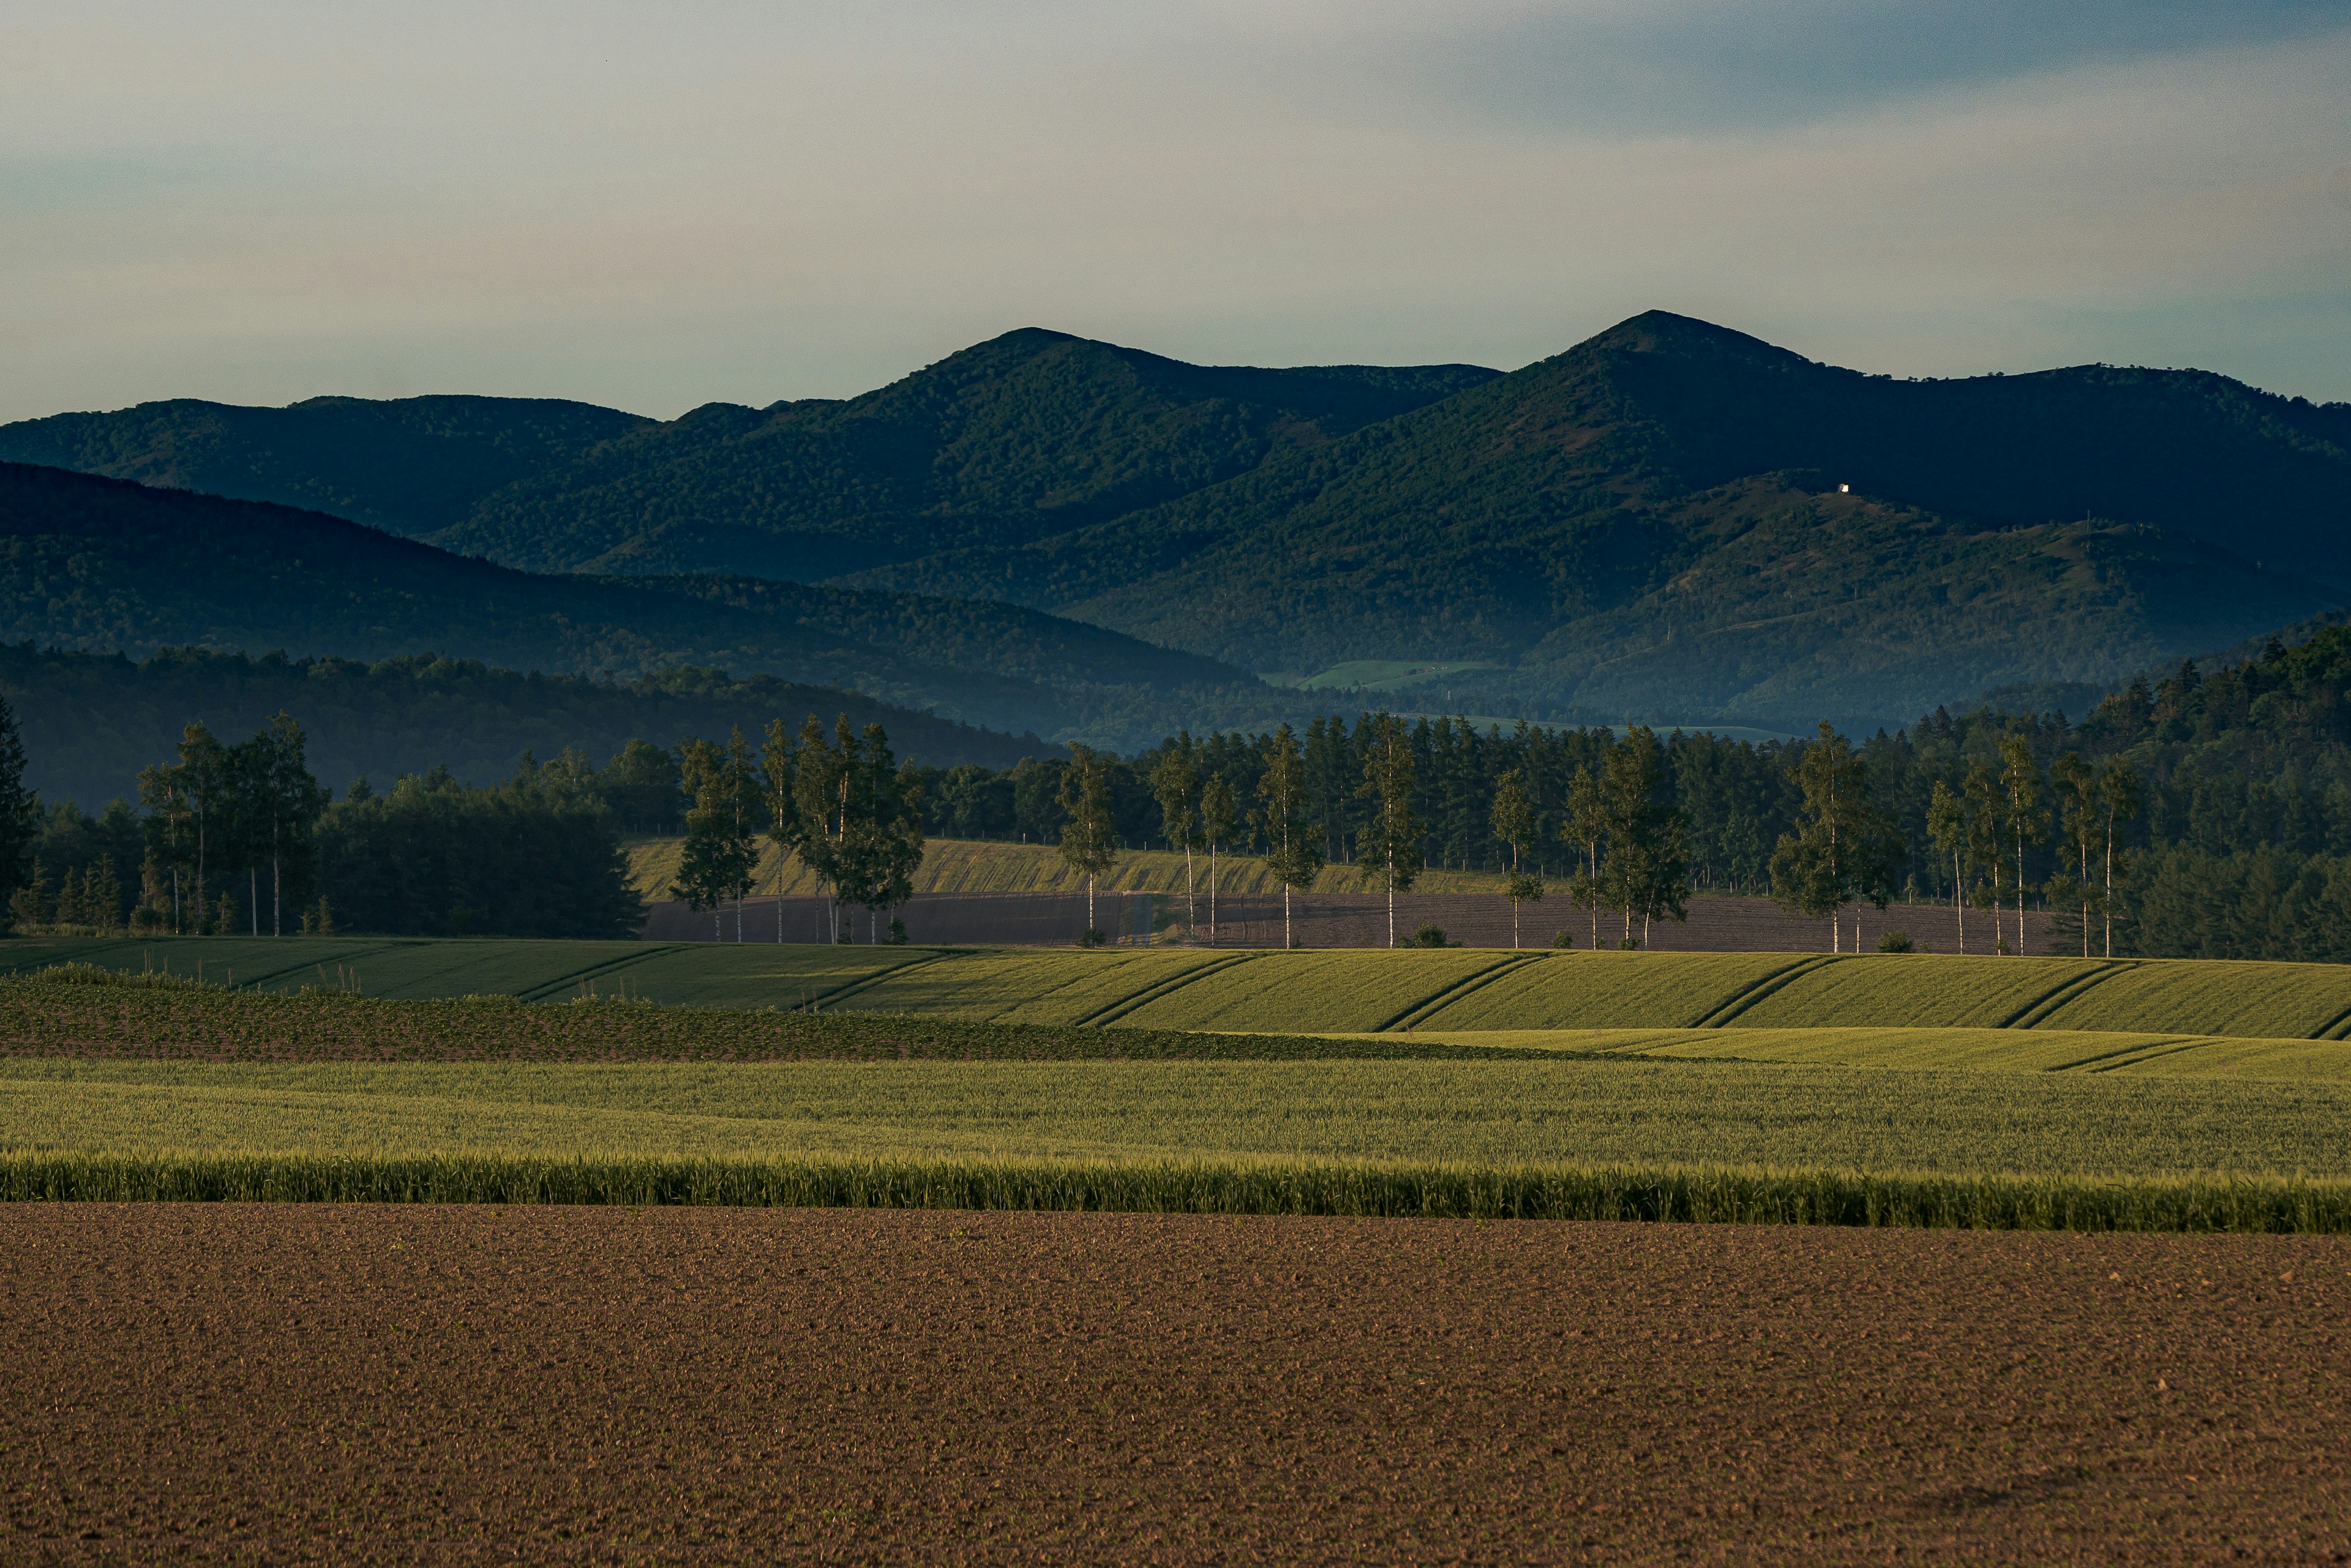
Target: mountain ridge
{"x": 1667, "y": 515}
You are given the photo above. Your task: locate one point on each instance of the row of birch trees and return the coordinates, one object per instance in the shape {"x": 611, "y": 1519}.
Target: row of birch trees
{"x": 841, "y": 804}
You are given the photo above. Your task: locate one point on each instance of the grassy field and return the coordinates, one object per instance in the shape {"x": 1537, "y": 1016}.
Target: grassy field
{"x": 1453, "y": 990}
{"x": 962, "y": 865}
{"x": 126, "y": 1088}
{"x": 1488, "y": 1114}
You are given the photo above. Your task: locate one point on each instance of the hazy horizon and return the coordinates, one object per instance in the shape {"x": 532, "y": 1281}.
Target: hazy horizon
{"x": 255, "y": 202}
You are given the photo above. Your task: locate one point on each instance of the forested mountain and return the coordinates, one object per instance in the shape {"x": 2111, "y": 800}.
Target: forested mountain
{"x": 1653, "y": 523}
{"x": 91, "y": 721}
{"x": 100, "y": 564}
{"x": 407, "y": 466}
{"x": 1026, "y": 435}
{"x": 1670, "y": 521}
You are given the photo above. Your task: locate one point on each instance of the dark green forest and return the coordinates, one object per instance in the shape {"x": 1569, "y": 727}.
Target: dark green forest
{"x": 102, "y": 564}
{"x": 2238, "y": 845}
{"x": 1652, "y": 523}
{"x": 91, "y": 721}
{"x": 1670, "y": 521}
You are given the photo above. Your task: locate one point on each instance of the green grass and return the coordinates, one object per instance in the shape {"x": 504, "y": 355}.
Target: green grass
{"x": 1317, "y": 991}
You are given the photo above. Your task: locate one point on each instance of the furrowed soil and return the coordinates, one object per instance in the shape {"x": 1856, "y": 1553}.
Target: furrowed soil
{"x": 194, "y": 1382}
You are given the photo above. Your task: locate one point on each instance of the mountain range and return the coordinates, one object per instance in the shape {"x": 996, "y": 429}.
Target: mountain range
{"x": 1671, "y": 520}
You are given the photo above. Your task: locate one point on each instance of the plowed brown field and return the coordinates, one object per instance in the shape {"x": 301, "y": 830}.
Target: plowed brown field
{"x": 196, "y": 1383}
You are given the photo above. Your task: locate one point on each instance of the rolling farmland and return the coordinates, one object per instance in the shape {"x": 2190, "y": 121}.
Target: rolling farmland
{"x": 1340, "y": 991}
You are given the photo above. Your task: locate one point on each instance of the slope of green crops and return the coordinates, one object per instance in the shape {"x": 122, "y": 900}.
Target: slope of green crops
{"x": 1041, "y": 986}
{"x": 1915, "y": 990}
{"x": 1610, "y": 990}
{"x": 704, "y": 974}
{"x": 1331, "y": 992}
{"x": 2211, "y": 996}
{"x": 1323, "y": 991}
{"x": 1940, "y": 1050}
{"x": 1487, "y": 1115}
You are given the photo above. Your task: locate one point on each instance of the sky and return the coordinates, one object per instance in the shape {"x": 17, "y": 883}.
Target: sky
{"x": 657, "y": 207}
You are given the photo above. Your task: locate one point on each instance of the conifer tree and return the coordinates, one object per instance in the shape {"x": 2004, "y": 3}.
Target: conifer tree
{"x": 779, "y": 776}
{"x": 1389, "y": 846}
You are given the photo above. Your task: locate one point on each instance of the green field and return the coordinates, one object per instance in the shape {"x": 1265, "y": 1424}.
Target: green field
{"x": 1353, "y": 990}
{"x": 1770, "y": 1086}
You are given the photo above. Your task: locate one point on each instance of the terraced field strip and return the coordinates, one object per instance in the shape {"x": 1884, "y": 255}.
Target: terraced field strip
{"x": 1322, "y": 992}
{"x": 1969, "y": 1049}
{"x": 610, "y": 964}
{"x": 1777, "y": 980}
{"x": 1458, "y": 990}
{"x": 2264, "y": 1000}
{"x": 1605, "y": 989}
{"x": 2032, "y": 1016}
{"x": 1115, "y": 1011}
{"x": 1916, "y": 990}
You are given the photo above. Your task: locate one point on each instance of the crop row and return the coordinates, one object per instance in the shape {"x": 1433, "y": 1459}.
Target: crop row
{"x": 1791, "y": 1198}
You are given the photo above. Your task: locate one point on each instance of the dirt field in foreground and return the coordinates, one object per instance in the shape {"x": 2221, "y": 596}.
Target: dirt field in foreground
{"x": 446, "y": 1384}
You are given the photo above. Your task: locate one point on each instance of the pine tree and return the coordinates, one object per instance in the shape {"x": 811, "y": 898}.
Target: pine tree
{"x": 1218, "y": 809}
{"x": 1389, "y": 846}
{"x": 1513, "y": 821}
{"x": 1088, "y": 839}
{"x": 1293, "y": 850}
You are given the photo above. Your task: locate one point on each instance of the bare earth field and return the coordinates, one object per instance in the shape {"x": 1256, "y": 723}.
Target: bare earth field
{"x": 192, "y": 1383}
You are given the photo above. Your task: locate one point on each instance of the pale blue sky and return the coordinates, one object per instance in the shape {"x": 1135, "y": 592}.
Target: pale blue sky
{"x": 654, "y": 208}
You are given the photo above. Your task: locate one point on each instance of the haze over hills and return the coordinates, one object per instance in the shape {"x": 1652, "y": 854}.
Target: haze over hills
{"x": 91, "y": 721}
{"x": 102, "y": 564}
{"x": 1649, "y": 524}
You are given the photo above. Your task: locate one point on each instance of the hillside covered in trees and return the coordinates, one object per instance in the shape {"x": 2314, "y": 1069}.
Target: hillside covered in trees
{"x": 1671, "y": 520}
{"x": 91, "y": 721}
{"x": 1655, "y": 523}
{"x": 98, "y": 564}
